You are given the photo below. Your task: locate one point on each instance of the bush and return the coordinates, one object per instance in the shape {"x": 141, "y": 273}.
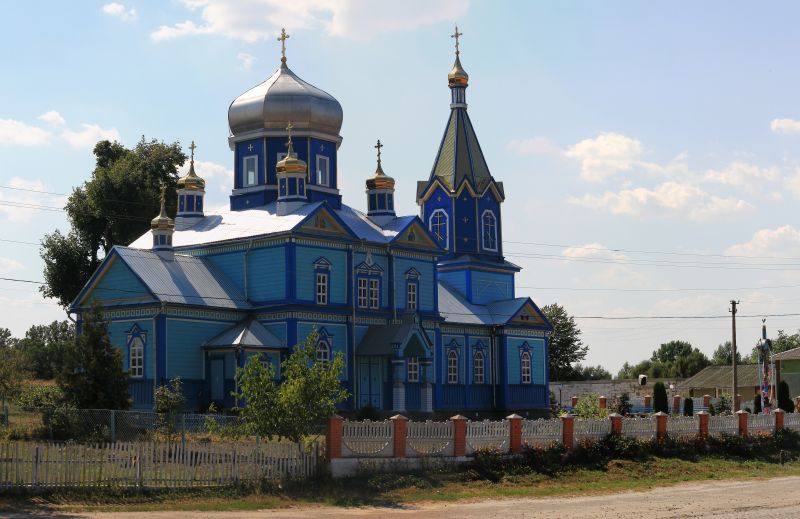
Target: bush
{"x": 660, "y": 403}
{"x": 588, "y": 407}
{"x": 688, "y": 406}
{"x": 784, "y": 400}
{"x": 757, "y": 404}
{"x": 622, "y": 404}
{"x": 32, "y": 396}
{"x": 724, "y": 404}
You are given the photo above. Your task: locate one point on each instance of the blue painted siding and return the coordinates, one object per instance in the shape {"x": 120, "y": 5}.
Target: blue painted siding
{"x": 426, "y": 287}
{"x": 466, "y": 238}
{"x": 231, "y": 264}
{"x": 483, "y": 344}
{"x": 277, "y": 328}
{"x": 360, "y": 332}
{"x": 336, "y": 332}
{"x": 456, "y": 279}
{"x": 185, "y": 339}
{"x": 439, "y": 200}
{"x": 490, "y": 286}
{"x": 538, "y": 364}
{"x": 325, "y": 149}
{"x": 266, "y": 274}
{"x": 305, "y": 257}
{"x": 120, "y": 285}
{"x": 242, "y": 151}
{"x": 489, "y": 202}
{"x": 383, "y": 262}
{"x": 448, "y": 341}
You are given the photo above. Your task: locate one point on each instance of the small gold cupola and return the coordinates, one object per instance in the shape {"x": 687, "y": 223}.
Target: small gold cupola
{"x": 162, "y": 226}
{"x": 458, "y": 79}
{"x": 191, "y": 191}
{"x": 291, "y": 172}
{"x": 380, "y": 192}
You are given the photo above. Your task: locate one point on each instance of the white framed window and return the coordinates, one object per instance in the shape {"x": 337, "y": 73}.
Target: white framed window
{"x": 374, "y": 293}
{"x": 438, "y": 226}
{"x": 525, "y": 367}
{"x": 489, "y": 231}
{"x": 478, "y": 368}
{"x": 323, "y": 353}
{"x": 413, "y": 369}
{"x": 363, "y": 291}
{"x": 136, "y": 364}
{"x": 452, "y": 367}
{"x": 323, "y": 171}
{"x": 250, "y": 171}
{"x": 322, "y": 288}
{"x": 411, "y": 295}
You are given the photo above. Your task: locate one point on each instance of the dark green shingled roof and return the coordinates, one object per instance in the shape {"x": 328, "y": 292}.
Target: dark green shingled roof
{"x": 722, "y": 376}
{"x": 460, "y": 157}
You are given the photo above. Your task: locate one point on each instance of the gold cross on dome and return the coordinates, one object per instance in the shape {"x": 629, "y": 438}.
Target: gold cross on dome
{"x": 456, "y": 36}
{"x": 289, "y": 131}
{"x": 193, "y": 147}
{"x": 378, "y": 147}
{"x": 163, "y": 194}
{"x": 282, "y": 38}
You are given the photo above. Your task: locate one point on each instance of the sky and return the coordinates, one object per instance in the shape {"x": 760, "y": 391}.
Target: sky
{"x": 649, "y": 151}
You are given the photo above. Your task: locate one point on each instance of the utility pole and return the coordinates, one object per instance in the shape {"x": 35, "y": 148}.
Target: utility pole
{"x": 733, "y": 354}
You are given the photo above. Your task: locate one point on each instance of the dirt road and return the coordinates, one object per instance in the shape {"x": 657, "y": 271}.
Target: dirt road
{"x": 773, "y": 499}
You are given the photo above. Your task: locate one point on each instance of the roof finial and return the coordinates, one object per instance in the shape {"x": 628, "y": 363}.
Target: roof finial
{"x": 378, "y": 147}
{"x": 163, "y": 197}
{"x": 282, "y": 38}
{"x": 456, "y": 35}
{"x": 192, "y": 147}
{"x": 289, "y": 143}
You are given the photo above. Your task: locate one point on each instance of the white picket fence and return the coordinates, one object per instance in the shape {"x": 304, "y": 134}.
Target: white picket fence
{"x": 761, "y": 423}
{"x": 682, "y": 427}
{"x": 591, "y": 429}
{"x": 723, "y": 424}
{"x": 152, "y": 465}
{"x": 487, "y": 435}
{"x": 367, "y": 439}
{"x": 640, "y": 428}
{"x": 542, "y": 433}
{"x": 429, "y": 439}
{"x": 792, "y": 421}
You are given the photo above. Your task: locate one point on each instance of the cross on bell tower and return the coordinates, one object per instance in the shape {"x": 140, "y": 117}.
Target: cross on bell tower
{"x": 282, "y": 38}
{"x": 456, "y": 35}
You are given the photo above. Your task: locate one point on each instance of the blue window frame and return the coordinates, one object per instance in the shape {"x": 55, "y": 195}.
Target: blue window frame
{"x": 489, "y": 231}
{"x": 322, "y": 269}
{"x": 438, "y": 225}
{"x": 136, "y": 341}
{"x": 368, "y": 283}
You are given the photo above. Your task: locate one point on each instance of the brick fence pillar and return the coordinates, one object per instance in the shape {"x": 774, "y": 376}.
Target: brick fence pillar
{"x": 568, "y": 431}
{"x": 400, "y": 422}
{"x": 333, "y": 437}
{"x": 742, "y": 423}
{"x": 796, "y": 403}
{"x": 706, "y": 401}
{"x": 779, "y": 416}
{"x": 616, "y": 424}
{"x": 602, "y": 402}
{"x": 702, "y": 420}
{"x": 676, "y": 404}
{"x": 661, "y": 426}
{"x": 647, "y": 401}
{"x": 459, "y": 435}
{"x": 574, "y": 401}
{"x": 515, "y": 426}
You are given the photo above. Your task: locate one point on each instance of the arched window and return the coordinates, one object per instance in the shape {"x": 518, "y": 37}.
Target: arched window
{"x": 136, "y": 362}
{"x": 438, "y": 226}
{"x": 478, "y": 365}
{"x": 489, "y": 232}
{"x": 525, "y": 367}
{"x": 323, "y": 352}
{"x": 413, "y": 369}
{"x": 452, "y": 367}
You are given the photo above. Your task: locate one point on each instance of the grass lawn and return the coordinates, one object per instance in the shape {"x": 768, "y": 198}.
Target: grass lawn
{"x": 393, "y": 489}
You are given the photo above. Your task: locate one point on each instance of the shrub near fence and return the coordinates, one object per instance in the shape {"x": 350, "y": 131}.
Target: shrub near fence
{"x": 152, "y": 465}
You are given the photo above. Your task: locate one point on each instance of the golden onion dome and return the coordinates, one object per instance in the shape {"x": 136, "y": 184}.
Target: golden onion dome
{"x": 457, "y": 76}
{"x": 162, "y": 221}
{"x": 191, "y": 180}
{"x": 291, "y": 163}
{"x": 380, "y": 180}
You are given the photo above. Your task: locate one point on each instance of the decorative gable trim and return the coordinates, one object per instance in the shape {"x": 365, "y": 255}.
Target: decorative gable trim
{"x": 325, "y": 222}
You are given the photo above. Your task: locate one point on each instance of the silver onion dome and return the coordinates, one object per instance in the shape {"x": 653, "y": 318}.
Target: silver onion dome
{"x": 285, "y": 97}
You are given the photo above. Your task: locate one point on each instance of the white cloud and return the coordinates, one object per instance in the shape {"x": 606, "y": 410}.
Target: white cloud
{"x": 667, "y": 199}
{"x": 52, "y": 118}
{"x": 592, "y": 250}
{"x": 17, "y": 133}
{"x": 17, "y": 203}
{"x": 785, "y": 126}
{"x": 534, "y": 146}
{"x": 7, "y": 265}
{"x": 255, "y": 20}
{"x": 783, "y": 241}
{"x": 743, "y": 175}
{"x": 89, "y": 135}
{"x": 217, "y": 176}
{"x": 120, "y": 11}
{"x": 246, "y": 60}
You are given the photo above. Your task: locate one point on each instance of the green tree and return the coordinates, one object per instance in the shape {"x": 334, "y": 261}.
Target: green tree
{"x": 113, "y": 208}
{"x": 688, "y": 406}
{"x": 91, "y": 375}
{"x": 6, "y": 338}
{"x": 783, "y": 342}
{"x": 660, "y": 402}
{"x": 588, "y": 407}
{"x": 566, "y": 347}
{"x": 581, "y": 372}
{"x": 671, "y": 351}
{"x": 302, "y": 401}
{"x": 12, "y": 372}
{"x": 622, "y": 404}
{"x": 43, "y": 347}
{"x": 722, "y": 355}
{"x": 168, "y": 402}
{"x": 757, "y": 404}
{"x": 784, "y": 398}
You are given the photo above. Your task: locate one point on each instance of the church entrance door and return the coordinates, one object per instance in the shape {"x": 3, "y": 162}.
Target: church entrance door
{"x": 370, "y": 382}
{"x": 217, "y": 380}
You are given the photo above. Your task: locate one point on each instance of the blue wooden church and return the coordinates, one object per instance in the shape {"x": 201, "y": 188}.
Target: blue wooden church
{"x": 423, "y": 307}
